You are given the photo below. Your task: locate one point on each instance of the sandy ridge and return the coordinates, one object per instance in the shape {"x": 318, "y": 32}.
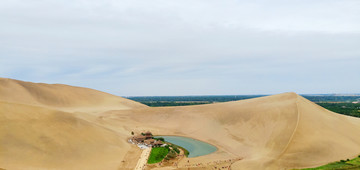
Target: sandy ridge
{"x": 51, "y": 127}
{"x": 295, "y": 129}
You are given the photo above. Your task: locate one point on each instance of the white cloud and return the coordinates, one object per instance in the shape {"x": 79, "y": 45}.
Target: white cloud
{"x": 229, "y": 45}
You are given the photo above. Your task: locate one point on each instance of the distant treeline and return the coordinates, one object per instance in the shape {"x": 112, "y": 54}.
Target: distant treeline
{"x": 338, "y": 104}
{"x": 212, "y": 99}
{"x": 173, "y": 103}
{"x": 332, "y": 98}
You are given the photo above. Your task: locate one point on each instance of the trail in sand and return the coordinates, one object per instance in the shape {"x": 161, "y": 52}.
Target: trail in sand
{"x": 143, "y": 159}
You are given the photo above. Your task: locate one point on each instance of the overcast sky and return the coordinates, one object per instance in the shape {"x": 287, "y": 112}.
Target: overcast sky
{"x": 184, "y": 47}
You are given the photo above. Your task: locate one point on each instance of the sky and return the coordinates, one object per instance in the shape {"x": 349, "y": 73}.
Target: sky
{"x": 184, "y": 47}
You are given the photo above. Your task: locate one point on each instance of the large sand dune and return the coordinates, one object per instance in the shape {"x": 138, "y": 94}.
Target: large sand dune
{"x": 62, "y": 97}
{"x": 32, "y": 137}
{"x": 53, "y": 126}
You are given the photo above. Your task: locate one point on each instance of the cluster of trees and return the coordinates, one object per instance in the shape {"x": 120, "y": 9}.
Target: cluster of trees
{"x": 159, "y": 138}
{"x": 332, "y": 98}
{"x": 171, "y": 155}
{"x": 173, "y": 152}
{"x": 156, "y": 101}
{"x": 210, "y": 99}
{"x": 172, "y": 103}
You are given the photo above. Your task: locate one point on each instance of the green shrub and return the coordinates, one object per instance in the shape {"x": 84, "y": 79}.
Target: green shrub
{"x": 171, "y": 154}
{"x": 161, "y": 139}
{"x": 176, "y": 150}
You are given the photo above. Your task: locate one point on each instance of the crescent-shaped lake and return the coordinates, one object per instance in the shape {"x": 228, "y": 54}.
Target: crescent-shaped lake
{"x": 195, "y": 147}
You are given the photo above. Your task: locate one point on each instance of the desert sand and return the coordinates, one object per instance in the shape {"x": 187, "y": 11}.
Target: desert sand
{"x": 55, "y": 126}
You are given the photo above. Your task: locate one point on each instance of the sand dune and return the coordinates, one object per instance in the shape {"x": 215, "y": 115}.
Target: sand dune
{"x": 62, "y": 97}
{"x": 33, "y": 137}
{"x": 276, "y": 132}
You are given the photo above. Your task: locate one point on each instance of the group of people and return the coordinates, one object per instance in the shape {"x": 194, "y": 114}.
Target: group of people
{"x": 217, "y": 164}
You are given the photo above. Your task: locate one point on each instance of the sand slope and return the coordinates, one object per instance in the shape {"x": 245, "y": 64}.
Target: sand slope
{"x": 276, "y": 132}
{"x": 283, "y": 131}
{"x": 319, "y": 137}
{"x": 33, "y": 137}
{"x": 62, "y": 97}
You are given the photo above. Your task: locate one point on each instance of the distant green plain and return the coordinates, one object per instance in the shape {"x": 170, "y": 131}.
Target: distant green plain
{"x": 340, "y": 165}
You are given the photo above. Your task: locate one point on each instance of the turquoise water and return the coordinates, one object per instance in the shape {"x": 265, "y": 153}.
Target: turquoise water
{"x": 195, "y": 147}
